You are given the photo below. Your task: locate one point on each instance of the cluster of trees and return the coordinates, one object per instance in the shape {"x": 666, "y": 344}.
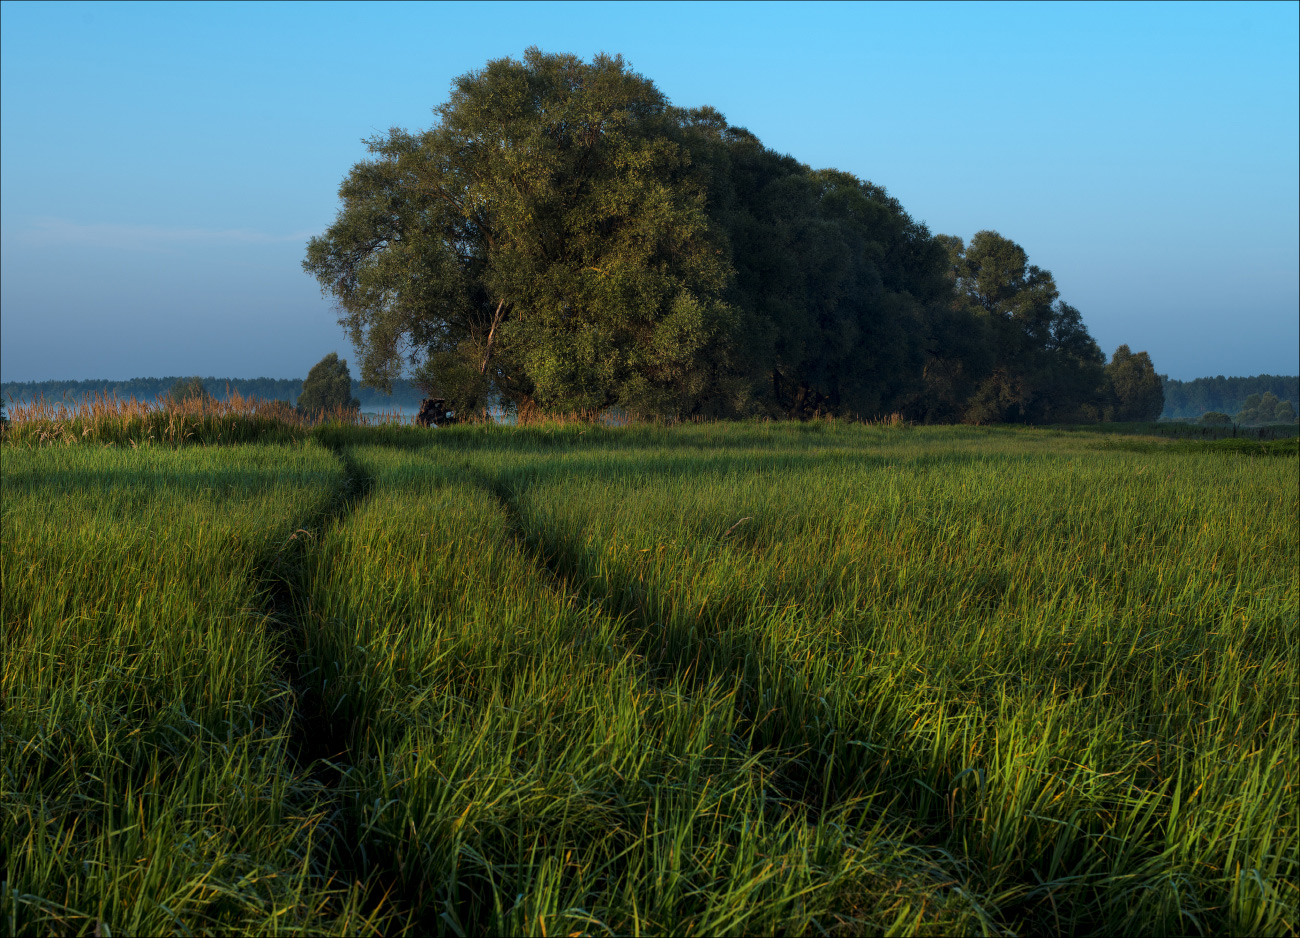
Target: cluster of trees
{"x": 564, "y": 238}
{"x": 188, "y": 389}
{"x": 1265, "y": 408}
{"x": 1190, "y": 399}
{"x": 1133, "y": 390}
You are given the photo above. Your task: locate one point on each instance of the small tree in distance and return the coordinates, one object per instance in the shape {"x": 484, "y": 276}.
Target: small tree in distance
{"x": 1135, "y": 387}
{"x": 328, "y": 387}
{"x": 188, "y": 389}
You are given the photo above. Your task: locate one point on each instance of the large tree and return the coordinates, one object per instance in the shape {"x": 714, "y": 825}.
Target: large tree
{"x": 546, "y": 240}
{"x": 562, "y": 236}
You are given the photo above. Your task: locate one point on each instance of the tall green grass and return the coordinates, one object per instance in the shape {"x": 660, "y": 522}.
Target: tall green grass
{"x": 702, "y": 679}
{"x": 149, "y": 784}
{"x": 514, "y": 770}
{"x": 105, "y": 420}
{"x": 1076, "y": 669}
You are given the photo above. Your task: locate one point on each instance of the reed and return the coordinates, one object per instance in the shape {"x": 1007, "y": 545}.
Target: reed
{"x": 103, "y": 419}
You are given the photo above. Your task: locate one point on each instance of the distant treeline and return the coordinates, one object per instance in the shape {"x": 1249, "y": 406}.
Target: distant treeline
{"x": 148, "y": 389}
{"x": 1190, "y": 399}
{"x": 1183, "y": 399}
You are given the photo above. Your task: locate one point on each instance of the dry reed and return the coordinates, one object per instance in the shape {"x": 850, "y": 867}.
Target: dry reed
{"x": 105, "y": 418}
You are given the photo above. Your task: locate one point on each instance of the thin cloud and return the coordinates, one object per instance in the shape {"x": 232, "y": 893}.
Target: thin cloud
{"x": 60, "y": 231}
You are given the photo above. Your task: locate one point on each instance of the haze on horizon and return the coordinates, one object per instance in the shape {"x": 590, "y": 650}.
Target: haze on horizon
{"x": 162, "y": 165}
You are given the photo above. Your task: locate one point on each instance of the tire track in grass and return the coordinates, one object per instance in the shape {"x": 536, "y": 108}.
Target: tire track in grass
{"x": 384, "y": 857}
{"x": 788, "y": 803}
{"x": 162, "y": 793}
{"x": 560, "y": 577}
{"x": 802, "y": 788}
{"x": 561, "y": 564}
{"x": 322, "y": 741}
{"x": 811, "y": 782}
{"x": 319, "y": 744}
{"x": 1021, "y": 899}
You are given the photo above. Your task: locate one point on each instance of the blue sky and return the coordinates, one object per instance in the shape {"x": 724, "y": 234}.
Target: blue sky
{"x": 163, "y": 165}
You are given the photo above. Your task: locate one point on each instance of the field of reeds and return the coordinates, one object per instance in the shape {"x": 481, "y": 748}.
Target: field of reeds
{"x": 706, "y": 679}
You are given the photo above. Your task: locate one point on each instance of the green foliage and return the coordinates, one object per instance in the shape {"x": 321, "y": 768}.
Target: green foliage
{"x": 1041, "y": 364}
{"x": 328, "y": 388}
{"x": 547, "y": 235}
{"x": 834, "y": 283}
{"x": 188, "y": 389}
{"x": 564, "y": 239}
{"x": 1288, "y": 447}
{"x": 144, "y": 389}
{"x": 1215, "y": 419}
{"x": 400, "y": 394}
{"x": 1135, "y": 388}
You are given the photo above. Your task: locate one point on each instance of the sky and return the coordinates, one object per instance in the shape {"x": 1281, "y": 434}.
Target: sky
{"x": 163, "y": 165}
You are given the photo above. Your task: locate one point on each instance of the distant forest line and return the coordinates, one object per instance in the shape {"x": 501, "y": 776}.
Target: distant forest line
{"x": 1184, "y": 400}
{"x": 148, "y": 389}
{"x": 1187, "y": 400}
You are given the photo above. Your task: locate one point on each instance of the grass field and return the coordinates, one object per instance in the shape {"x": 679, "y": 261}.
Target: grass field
{"x": 696, "y": 680}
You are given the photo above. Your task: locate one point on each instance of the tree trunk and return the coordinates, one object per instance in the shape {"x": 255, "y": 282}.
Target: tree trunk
{"x": 496, "y": 321}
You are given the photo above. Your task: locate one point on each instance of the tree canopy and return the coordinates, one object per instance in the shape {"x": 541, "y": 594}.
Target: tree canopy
{"x": 563, "y": 237}
{"x": 1035, "y": 360}
{"x": 546, "y": 240}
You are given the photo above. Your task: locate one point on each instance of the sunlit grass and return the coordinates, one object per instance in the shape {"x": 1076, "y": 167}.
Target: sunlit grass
{"x": 148, "y": 782}
{"x": 1077, "y": 668}
{"x": 105, "y": 420}
{"x": 689, "y": 680}
{"x": 517, "y": 767}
